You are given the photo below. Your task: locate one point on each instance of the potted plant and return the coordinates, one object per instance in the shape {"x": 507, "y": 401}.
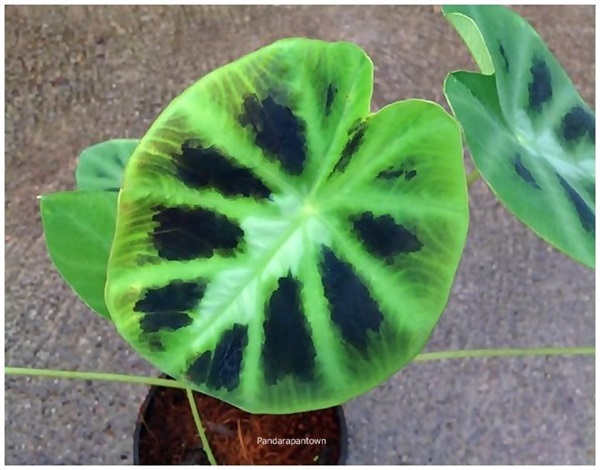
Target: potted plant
{"x": 273, "y": 244}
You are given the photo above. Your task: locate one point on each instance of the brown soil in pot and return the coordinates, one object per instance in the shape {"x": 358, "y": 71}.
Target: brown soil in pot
{"x": 166, "y": 433}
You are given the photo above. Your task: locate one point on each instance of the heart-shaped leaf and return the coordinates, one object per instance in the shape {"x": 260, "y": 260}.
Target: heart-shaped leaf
{"x": 100, "y": 167}
{"x": 529, "y": 132}
{"x": 279, "y": 247}
{"x": 79, "y": 228}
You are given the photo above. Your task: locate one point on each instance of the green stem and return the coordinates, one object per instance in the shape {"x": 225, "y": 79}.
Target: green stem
{"x": 201, "y": 433}
{"x": 423, "y": 357}
{"x": 511, "y": 352}
{"x": 71, "y": 374}
{"x": 473, "y": 176}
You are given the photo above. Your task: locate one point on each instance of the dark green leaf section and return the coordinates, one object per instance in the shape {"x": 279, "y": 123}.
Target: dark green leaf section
{"x": 79, "y": 227}
{"x": 529, "y": 132}
{"x": 101, "y": 166}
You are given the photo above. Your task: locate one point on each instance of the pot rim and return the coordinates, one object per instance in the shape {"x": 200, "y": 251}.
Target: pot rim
{"x": 152, "y": 392}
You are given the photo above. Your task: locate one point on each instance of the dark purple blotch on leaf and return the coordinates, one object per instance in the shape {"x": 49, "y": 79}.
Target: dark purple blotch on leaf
{"x": 352, "y": 145}
{"x": 278, "y": 131}
{"x": 354, "y": 312}
{"x": 577, "y": 123}
{"x": 523, "y": 172}
{"x": 331, "y": 92}
{"x": 586, "y": 216}
{"x": 210, "y": 168}
{"x": 383, "y": 237}
{"x": 198, "y": 370}
{"x": 186, "y": 233}
{"x": 166, "y": 307}
{"x": 227, "y": 359}
{"x": 504, "y": 57}
{"x": 288, "y": 348}
{"x": 540, "y": 87}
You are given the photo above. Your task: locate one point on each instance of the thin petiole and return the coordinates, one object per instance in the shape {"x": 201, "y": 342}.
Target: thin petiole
{"x": 71, "y": 374}
{"x": 423, "y": 357}
{"x": 201, "y": 433}
{"x": 508, "y": 352}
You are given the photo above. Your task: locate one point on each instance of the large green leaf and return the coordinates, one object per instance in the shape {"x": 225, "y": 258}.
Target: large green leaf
{"x": 279, "y": 247}
{"x": 79, "y": 227}
{"x": 100, "y": 167}
{"x": 529, "y": 132}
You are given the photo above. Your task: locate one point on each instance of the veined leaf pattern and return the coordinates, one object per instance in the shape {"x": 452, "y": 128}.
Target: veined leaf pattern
{"x": 277, "y": 245}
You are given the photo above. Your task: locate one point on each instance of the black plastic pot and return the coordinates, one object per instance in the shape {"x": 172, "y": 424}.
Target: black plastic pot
{"x": 193, "y": 454}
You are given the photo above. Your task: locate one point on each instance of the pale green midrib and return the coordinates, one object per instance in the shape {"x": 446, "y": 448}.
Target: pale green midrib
{"x": 156, "y": 275}
{"x": 257, "y": 267}
{"x": 189, "y": 270}
{"x": 233, "y": 207}
{"x": 251, "y": 370}
{"x": 207, "y": 199}
{"x": 549, "y": 124}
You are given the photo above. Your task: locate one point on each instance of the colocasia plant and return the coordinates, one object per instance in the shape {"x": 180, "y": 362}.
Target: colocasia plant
{"x": 273, "y": 243}
{"x": 276, "y": 244}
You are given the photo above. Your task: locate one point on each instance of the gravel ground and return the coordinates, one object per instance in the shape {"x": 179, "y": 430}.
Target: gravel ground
{"x": 78, "y": 75}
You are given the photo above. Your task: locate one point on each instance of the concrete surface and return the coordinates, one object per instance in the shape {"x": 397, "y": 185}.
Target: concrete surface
{"x": 79, "y": 75}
